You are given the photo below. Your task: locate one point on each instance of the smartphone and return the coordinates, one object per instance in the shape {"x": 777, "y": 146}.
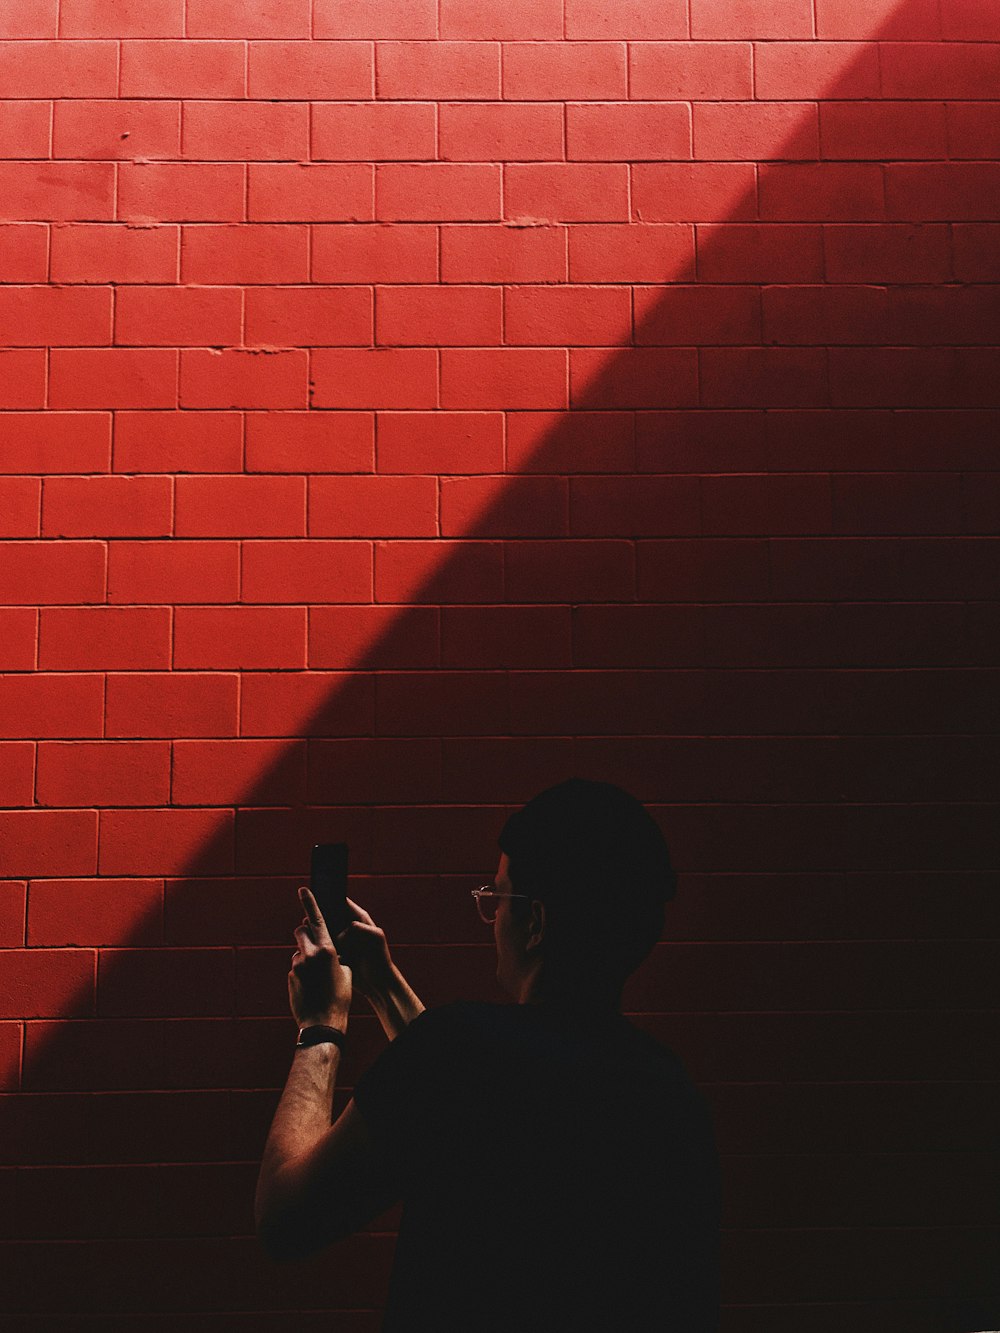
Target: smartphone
{"x": 328, "y": 881}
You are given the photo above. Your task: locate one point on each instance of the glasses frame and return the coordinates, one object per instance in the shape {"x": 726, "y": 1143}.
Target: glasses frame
{"x": 488, "y": 891}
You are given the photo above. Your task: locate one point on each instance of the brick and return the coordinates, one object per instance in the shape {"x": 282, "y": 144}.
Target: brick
{"x": 33, "y": 18}
{"x": 60, "y": 316}
{"x": 429, "y": 316}
{"x": 103, "y": 773}
{"x": 972, "y": 130}
{"x": 442, "y": 571}
{"x": 310, "y": 70}
{"x": 243, "y": 638}
{"x": 344, "y": 637}
{"x": 308, "y": 316}
{"x": 119, "y": 129}
{"x": 246, "y": 131}
{"x": 558, "y": 71}
{"x": 12, "y": 908}
{"x": 704, "y": 569}
{"x": 41, "y": 442}
{"x": 18, "y": 637}
{"x": 372, "y": 507}
{"x": 682, "y": 316}
{"x": 24, "y": 130}
{"x": 374, "y": 131}
{"x": 485, "y": 637}
{"x": 178, "y": 571}
{"x": 690, "y": 71}
{"x": 57, "y": 191}
{"x": 48, "y": 842}
{"x": 58, "y": 982}
{"x": 566, "y": 192}
{"x": 630, "y": 131}
{"x": 450, "y": 704}
{"x": 240, "y": 506}
{"x": 42, "y": 573}
{"x": 140, "y": 982}
{"x": 782, "y": 19}
{"x": 90, "y": 913}
{"x": 884, "y": 19}
{"x": 422, "y": 442}
{"x": 751, "y": 506}
{"x": 504, "y": 507}
{"x": 112, "y": 377}
{"x": 107, "y": 507}
{"x": 307, "y": 571}
{"x": 22, "y": 378}
{"x": 948, "y": 315}
{"x": 633, "y": 377}
{"x": 883, "y": 130}
{"x": 306, "y": 192}
{"x": 58, "y": 69}
{"x": 755, "y": 131}
{"x": 238, "y": 377}
{"x": 570, "y": 571}
{"x": 181, "y": 192}
{"x": 898, "y": 377}
{"x": 249, "y": 18}
{"x": 631, "y": 19}
{"x": 804, "y": 192}
{"x": 636, "y": 252}
{"x": 315, "y": 702}
{"x": 437, "y": 71}
{"x": 641, "y": 636}
{"x": 182, "y": 69}
{"x": 567, "y": 442}
{"x": 50, "y": 706}
{"x": 567, "y": 316}
{"x": 943, "y": 191}
{"x": 517, "y": 20}
{"x": 884, "y": 254}
{"x": 437, "y": 192}
{"x": 20, "y": 506}
{"x": 374, "y": 378}
{"x": 495, "y": 131}
{"x": 178, "y": 441}
{"x": 310, "y": 441}
{"x": 968, "y": 21}
{"x": 375, "y": 252}
{"x": 693, "y": 192}
{"x": 826, "y": 71}
{"x": 370, "y": 20}
{"x": 764, "y": 377}
{"x": 166, "y": 842}
{"x": 503, "y": 378}
{"x": 257, "y": 253}
{"x": 748, "y": 253}
{"x": 178, "y": 316}
{"x": 104, "y": 639}
{"x": 634, "y": 506}
{"x": 115, "y": 253}
{"x": 23, "y": 252}
{"x": 822, "y": 315}
{"x": 503, "y": 254}
{"x": 239, "y": 772}
{"x": 121, "y": 18}
{"x": 880, "y": 504}
{"x": 172, "y": 704}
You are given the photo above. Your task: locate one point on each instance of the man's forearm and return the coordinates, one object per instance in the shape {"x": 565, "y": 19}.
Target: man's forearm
{"x": 396, "y": 1005}
{"x": 302, "y": 1117}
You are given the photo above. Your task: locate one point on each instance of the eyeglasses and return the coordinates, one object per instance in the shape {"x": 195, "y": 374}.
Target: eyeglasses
{"x": 488, "y": 901}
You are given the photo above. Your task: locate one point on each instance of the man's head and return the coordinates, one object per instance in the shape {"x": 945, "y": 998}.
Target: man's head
{"x": 595, "y": 873}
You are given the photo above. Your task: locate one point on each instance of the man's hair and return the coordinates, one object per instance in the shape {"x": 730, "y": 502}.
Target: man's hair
{"x": 598, "y": 861}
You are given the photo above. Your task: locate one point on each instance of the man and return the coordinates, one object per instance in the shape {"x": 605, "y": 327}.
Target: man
{"x": 556, "y": 1165}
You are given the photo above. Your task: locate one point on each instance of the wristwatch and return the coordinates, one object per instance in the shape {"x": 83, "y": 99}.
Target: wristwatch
{"x": 318, "y": 1032}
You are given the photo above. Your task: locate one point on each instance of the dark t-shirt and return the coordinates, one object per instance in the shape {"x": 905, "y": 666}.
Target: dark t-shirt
{"x": 558, "y": 1173}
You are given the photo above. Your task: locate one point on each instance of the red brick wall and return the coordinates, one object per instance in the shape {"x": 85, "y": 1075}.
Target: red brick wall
{"x": 409, "y": 404}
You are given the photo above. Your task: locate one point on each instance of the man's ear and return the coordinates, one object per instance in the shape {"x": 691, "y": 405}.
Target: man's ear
{"x": 535, "y": 926}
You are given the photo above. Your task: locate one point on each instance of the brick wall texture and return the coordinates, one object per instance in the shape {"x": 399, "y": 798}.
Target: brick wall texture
{"x": 405, "y": 405}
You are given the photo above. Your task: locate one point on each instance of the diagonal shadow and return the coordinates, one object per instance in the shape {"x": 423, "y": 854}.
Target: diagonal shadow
{"x": 729, "y": 561}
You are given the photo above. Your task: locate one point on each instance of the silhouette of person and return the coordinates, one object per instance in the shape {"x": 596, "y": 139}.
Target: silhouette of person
{"x": 556, "y": 1165}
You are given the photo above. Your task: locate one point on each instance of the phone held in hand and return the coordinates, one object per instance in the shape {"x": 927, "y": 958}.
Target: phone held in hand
{"x": 328, "y": 881}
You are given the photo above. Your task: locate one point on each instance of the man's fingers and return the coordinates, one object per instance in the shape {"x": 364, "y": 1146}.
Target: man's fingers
{"x": 359, "y": 912}
{"x": 315, "y": 917}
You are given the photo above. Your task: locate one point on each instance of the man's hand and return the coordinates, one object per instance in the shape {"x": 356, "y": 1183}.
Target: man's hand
{"x": 378, "y": 979}
{"x": 319, "y": 985}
